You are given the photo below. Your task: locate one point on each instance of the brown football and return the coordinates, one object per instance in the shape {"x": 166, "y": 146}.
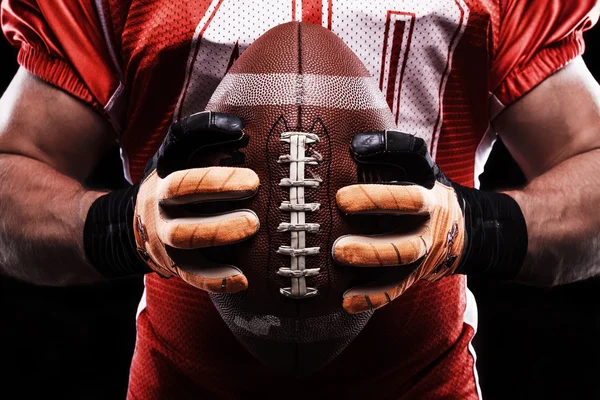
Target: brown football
{"x": 302, "y": 94}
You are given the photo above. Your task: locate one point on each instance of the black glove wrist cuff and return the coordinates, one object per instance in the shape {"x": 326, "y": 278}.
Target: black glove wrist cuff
{"x": 108, "y": 237}
{"x": 496, "y": 234}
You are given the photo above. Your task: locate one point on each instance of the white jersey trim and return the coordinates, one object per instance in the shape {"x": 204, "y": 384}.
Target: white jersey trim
{"x": 482, "y": 153}
{"x": 470, "y": 318}
{"x": 484, "y": 148}
{"x": 125, "y": 162}
{"x": 495, "y": 106}
{"x": 142, "y": 304}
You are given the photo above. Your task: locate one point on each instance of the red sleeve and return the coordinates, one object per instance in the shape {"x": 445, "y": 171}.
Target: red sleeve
{"x": 533, "y": 40}
{"x": 63, "y": 43}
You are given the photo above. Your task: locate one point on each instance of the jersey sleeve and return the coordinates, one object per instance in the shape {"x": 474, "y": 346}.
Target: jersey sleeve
{"x": 63, "y": 43}
{"x": 533, "y": 39}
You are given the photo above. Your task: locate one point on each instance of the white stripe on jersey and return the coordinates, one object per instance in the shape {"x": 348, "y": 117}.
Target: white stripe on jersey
{"x": 470, "y": 318}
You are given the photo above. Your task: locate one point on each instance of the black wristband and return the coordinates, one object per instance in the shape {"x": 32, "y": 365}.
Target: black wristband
{"x": 496, "y": 242}
{"x": 108, "y": 237}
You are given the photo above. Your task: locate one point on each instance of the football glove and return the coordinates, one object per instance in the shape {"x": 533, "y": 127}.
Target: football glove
{"x": 149, "y": 227}
{"x": 447, "y": 228}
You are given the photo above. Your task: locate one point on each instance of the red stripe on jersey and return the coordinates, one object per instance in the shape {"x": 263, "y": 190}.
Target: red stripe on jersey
{"x": 329, "y": 13}
{"x": 394, "y": 59}
{"x": 384, "y": 52}
{"x": 446, "y": 71}
{"x": 235, "y": 54}
{"x": 396, "y": 51}
{"x": 465, "y": 115}
{"x": 408, "y": 41}
{"x": 293, "y": 10}
{"x": 312, "y": 11}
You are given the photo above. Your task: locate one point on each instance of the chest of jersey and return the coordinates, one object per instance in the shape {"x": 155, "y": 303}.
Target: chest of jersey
{"x": 408, "y": 46}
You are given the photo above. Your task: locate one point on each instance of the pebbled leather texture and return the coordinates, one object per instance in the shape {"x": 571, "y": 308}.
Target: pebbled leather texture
{"x": 297, "y": 77}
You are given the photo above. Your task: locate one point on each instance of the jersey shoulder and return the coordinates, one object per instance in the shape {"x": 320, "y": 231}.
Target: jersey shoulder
{"x": 533, "y": 39}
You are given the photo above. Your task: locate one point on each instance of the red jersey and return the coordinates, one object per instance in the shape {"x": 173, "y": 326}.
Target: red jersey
{"x": 446, "y": 68}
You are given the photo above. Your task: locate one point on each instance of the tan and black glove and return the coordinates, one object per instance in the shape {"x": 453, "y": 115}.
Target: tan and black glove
{"x": 447, "y": 228}
{"x": 148, "y": 227}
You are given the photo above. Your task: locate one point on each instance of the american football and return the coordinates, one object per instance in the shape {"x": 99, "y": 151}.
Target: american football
{"x": 302, "y": 94}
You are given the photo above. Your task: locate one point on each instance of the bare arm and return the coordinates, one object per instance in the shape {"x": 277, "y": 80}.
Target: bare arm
{"x": 554, "y": 134}
{"x": 49, "y": 143}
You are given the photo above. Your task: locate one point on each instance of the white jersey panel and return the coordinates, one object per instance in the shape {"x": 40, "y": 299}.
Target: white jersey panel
{"x": 407, "y": 46}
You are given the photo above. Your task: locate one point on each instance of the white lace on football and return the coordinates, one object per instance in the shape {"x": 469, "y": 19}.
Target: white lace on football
{"x": 289, "y": 227}
{"x": 297, "y": 207}
{"x": 287, "y": 206}
{"x": 291, "y": 273}
{"x": 290, "y": 251}
{"x": 309, "y": 182}
{"x": 286, "y": 158}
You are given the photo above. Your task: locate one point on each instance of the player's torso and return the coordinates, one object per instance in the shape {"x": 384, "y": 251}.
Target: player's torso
{"x": 430, "y": 60}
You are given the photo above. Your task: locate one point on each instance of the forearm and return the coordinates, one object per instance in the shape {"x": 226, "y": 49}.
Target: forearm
{"x": 563, "y": 222}
{"x": 43, "y": 214}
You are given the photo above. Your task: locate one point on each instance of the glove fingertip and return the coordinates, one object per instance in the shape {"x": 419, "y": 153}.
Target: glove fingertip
{"x": 227, "y": 122}
{"x": 367, "y": 143}
{"x": 363, "y": 303}
{"x": 235, "y": 284}
{"x": 229, "y": 284}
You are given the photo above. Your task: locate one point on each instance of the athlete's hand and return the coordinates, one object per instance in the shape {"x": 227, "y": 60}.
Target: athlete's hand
{"x": 170, "y": 184}
{"x": 433, "y": 243}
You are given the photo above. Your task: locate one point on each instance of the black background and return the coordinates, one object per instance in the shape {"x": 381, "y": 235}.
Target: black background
{"x": 76, "y": 343}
